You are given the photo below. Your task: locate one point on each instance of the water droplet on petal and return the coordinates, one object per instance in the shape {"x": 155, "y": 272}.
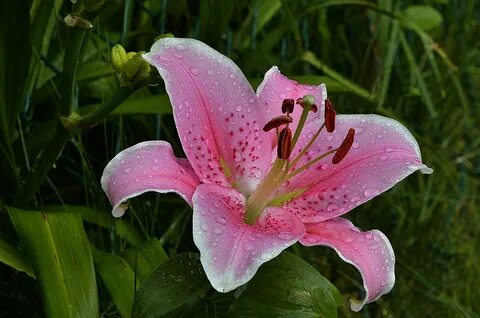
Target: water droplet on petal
{"x": 355, "y": 145}
{"x": 248, "y": 247}
{"x": 204, "y": 226}
{"x": 232, "y": 75}
{"x": 369, "y": 193}
{"x": 329, "y": 137}
{"x": 210, "y": 72}
{"x": 383, "y": 157}
{"x": 217, "y": 231}
{"x": 180, "y": 47}
{"x": 128, "y": 170}
{"x": 221, "y": 220}
{"x": 238, "y": 156}
{"x": 238, "y": 108}
{"x": 194, "y": 70}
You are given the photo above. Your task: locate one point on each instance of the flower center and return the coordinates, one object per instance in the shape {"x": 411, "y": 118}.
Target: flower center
{"x": 283, "y": 169}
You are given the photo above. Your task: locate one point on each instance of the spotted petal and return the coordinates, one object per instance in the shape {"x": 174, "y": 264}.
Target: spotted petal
{"x": 215, "y": 110}
{"x": 276, "y": 87}
{"x": 384, "y": 152}
{"x": 232, "y": 251}
{"x": 147, "y": 166}
{"x": 370, "y": 252}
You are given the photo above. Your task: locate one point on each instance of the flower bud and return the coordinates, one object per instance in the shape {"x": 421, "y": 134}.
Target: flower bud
{"x": 118, "y": 57}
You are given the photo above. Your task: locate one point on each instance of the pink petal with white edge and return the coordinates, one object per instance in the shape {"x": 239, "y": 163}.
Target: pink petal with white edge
{"x": 370, "y": 252}
{"x": 276, "y": 87}
{"x": 230, "y": 250}
{"x": 383, "y": 153}
{"x": 147, "y": 166}
{"x": 216, "y": 111}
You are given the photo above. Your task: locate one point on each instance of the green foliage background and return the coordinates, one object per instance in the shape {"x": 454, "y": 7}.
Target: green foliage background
{"x": 419, "y": 64}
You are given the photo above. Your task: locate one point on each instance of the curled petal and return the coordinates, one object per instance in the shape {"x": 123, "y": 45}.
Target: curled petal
{"x": 147, "y": 166}
{"x": 216, "y": 112}
{"x": 230, "y": 250}
{"x": 370, "y": 252}
{"x": 382, "y": 154}
{"x": 276, "y": 87}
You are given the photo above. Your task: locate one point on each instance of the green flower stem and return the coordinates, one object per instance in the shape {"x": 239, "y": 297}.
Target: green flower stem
{"x": 77, "y": 121}
{"x": 70, "y": 64}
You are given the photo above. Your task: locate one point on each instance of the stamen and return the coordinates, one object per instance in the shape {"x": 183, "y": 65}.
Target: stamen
{"x": 344, "y": 147}
{"x": 277, "y": 122}
{"x": 329, "y": 116}
{"x": 288, "y": 106}
{"x": 284, "y": 147}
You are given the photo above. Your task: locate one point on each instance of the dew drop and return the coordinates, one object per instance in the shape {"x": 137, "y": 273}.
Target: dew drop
{"x": 383, "y": 157}
{"x": 329, "y": 137}
{"x": 369, "y": 193}
{"x": 180, "y": 48}
{"x": 355, "y": 145}
{"x": 379, "y": 136}
{"x": 221, "y": 220}
{"x": 154, "y": 168}
{"x": 204, "y": 227}
{"x": 232, "y": 75}
{"x": 332, "y": 207}
{"x": 238, "y": 108}
{"x": 238, "y": 156}
{"x": 248, "y": 247}
{"x": 358, "y": 131}
{"x": 128, "y": 170}
{"x": 217, "y": 231}
{"x": 348, "y": 240}
{"x": 210, "y": 72}
{"x": 194, "y": 70}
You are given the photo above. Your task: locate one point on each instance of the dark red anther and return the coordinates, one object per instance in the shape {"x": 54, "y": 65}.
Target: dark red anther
{"x": 314, "y": 108}
{"x": 329, "y": 116}
{"x": 284, "y": 147}
{"x": 277, "y": 122}
{"x": 344, "y": 147}
{"x": 288, "y": 105}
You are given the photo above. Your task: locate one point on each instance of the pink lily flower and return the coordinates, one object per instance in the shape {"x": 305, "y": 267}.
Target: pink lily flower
{"x": 255, "y": 191}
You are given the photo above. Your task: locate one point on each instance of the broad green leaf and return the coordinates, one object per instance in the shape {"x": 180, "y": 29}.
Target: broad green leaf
{"x": 175, "y": 288}
{"x": 119, "y": 278}
{"x": 60, "y": 254}
{"x": 288, "y": 287}
{"x": 121, "y": 227}
{"x": 426, "y": 17}
{"x": 11, "y": 256}
{"x": 146, "y": 257}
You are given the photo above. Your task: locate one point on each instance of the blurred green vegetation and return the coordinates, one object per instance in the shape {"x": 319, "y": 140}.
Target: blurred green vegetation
{"x": 419, "y": 64}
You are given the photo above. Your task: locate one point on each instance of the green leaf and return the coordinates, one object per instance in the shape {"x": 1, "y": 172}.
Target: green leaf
{"x": 175, "y": 288}
{"x": 426, "y": 17}
{"x": 119, "y": 278}
{"x": 103, "y": 219}
{"x": 310, "y": 58}
{"x": 11, "y": 256}
{"x": 146, "y": 257}
{"x": 288, "y": 287}
{"x": 15, "y": 51}
{"x": 59, "y": 251}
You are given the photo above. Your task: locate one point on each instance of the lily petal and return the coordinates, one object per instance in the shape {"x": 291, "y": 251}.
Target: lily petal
{"x": 147, "y": 166}
{"x": 216, "y": 112}
{"x": 230, "y": 250}
{"x": 370, "y": 252}
{"x": 383, "y": 153}
{"x": 276, "y": 87}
